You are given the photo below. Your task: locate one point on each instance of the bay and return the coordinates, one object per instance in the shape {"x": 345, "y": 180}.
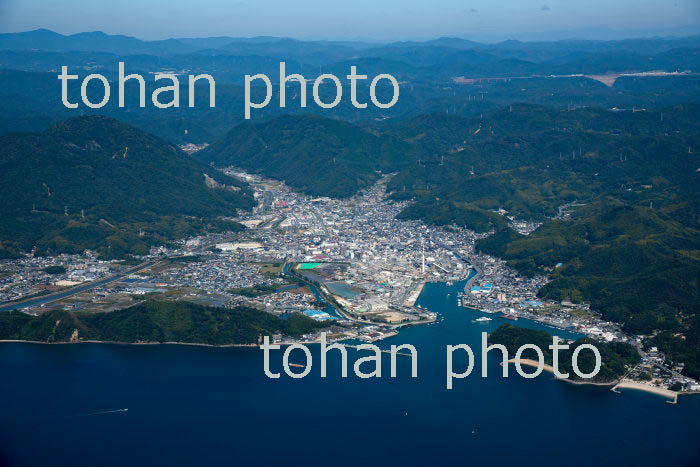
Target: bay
{"x": 187, "y": 405}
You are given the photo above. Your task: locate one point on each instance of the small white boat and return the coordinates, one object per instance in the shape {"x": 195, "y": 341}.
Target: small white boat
{"x": 482, "y": 319}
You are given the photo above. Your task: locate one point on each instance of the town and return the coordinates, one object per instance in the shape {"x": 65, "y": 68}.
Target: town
{"x": 346, "y": 261}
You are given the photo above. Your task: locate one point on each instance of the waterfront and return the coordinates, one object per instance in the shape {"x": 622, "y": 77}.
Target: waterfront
{"x": 189, "y": 405}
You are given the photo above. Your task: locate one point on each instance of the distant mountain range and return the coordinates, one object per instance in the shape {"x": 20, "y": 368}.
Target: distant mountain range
{"x": 448, "y": 75}
{"x": 441, "y": 58}
{"x": 324, "y": 52}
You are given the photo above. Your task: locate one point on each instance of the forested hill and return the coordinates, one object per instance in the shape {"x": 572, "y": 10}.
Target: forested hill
{"x": 316, "y": 155}
{"x": 634, "y": 264}
{"x": 524, "y": 158}
{"x": 156, "y": 321}
{"x": 529, "y": 159}
{"x": 92, "y": 182}
{"x": 616, "y": 357}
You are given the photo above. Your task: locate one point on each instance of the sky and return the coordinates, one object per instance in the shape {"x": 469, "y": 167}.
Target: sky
{"x": 485, "y": 20}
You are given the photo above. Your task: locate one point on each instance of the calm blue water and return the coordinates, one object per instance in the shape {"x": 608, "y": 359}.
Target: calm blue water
{"x": 192, "y": 405}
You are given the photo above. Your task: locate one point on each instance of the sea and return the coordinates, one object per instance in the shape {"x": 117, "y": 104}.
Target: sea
{"x": 132, "y": 405}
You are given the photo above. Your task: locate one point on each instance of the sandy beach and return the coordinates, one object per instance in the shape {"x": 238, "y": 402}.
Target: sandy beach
{"x": 533, "y": 363}
{"x": 646, "y": 387}
{"x": 550, "y": 369}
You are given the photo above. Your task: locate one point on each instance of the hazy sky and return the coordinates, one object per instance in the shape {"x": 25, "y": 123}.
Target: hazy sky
{"x": 357, "y": 19}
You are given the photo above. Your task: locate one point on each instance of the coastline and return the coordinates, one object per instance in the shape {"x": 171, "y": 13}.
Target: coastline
{"x": 192, "y": 344}
{"x": 415, "y": 294}
{"x": 615, "y": 385}
{"x": 626, "y": 384}
{"x": 533, "y": 319}
{"x": 550, "y": 369}
{"x": 195, "y": 344}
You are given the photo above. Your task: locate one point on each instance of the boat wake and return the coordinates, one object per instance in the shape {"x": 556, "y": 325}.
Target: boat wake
{"x": 103, "y": 412}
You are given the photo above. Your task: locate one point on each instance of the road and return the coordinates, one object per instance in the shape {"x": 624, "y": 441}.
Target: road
{"x": 45, "y": 299}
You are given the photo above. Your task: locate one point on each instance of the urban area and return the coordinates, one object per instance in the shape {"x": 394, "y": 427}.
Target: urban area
{"x": 346, "y": 261}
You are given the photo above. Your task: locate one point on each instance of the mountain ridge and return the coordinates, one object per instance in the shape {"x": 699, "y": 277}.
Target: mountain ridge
{"x": 61, "y": 184}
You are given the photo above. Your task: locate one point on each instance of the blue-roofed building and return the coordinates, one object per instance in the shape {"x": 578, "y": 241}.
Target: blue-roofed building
{"x": 318, "y": 315}
{"x": 483, "y": 289}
